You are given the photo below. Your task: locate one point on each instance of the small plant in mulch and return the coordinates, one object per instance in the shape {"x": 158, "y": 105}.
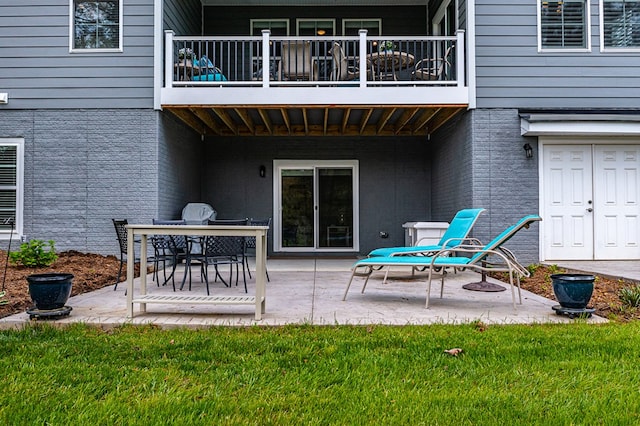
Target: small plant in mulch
{"x": 630, "y": 296}
{"x": 34, "y": 254}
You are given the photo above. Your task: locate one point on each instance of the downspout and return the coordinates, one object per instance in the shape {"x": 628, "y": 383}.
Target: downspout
{"x": 471, "y": 52}
{"x": 158, "y": 39}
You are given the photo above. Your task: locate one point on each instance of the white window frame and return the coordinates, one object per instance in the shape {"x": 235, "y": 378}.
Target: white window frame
{"x": 378, "y": 20}
{"x": 604, "y": 48}
{"x": 442, "y": 16}
{"x": 301, "y": 20}
{"x": 587, "y": 47}
{"x": 252, "y": 23}
{"x": 94, "y": 50}
{"x": 19, "y": 187}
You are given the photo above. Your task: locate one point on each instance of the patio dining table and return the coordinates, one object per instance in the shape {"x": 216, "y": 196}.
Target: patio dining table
{"x": 144, "y": 231}
{"x": 388, "y": 63}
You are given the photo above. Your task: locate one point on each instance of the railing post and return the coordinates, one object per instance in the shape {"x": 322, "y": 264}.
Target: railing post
{"x": 363, "y": 58}
{"x": 460, "y": 63}
{"x": 266, "y": 58}
{"x": 168, "y": 59}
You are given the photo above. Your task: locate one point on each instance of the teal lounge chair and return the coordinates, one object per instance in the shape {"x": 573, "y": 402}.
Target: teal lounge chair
{"x": 455, "y": 234}
{"x": 492, "y": 257}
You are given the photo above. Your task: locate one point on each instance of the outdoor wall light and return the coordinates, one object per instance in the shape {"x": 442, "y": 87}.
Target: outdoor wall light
{"x": 263, "y": 171}
{"x": 528, "y": 150}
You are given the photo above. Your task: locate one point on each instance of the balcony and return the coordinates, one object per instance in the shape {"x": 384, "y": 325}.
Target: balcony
{"x": 279, "y": 86}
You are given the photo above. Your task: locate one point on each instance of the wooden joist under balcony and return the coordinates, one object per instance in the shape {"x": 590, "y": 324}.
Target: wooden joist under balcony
{"x": 316, "y": 120}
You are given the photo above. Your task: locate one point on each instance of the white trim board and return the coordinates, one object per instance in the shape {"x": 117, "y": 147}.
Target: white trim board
{"x": 558, "y": 127}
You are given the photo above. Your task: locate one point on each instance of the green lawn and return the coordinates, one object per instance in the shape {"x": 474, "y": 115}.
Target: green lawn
{"x": 541, "y": 374}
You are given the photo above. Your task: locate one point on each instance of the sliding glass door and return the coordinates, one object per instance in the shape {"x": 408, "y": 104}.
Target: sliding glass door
{"x": 315, "y": 205}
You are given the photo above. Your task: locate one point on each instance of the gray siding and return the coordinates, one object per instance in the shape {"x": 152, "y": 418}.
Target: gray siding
{"x": 38, "y": 71}
{"x": 82, "y": 168}
{"x": 394, "y": 179}
{"x": 511, "y": 73}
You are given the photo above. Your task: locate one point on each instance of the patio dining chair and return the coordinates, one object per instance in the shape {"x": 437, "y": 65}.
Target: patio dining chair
{"x": 433, "y": 68}
{"x": 219, "y": 250}
{"x": 121, "y": 234}
{"x": 297, "y": 62}
{"x": 250, "y": 242}
{"x": 341, "y": 70}
{"x": 164, "y": 252}
{"x": 176, "y": 244}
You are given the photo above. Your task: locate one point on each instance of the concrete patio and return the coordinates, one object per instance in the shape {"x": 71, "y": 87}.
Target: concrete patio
{"x": 309, "y": 291}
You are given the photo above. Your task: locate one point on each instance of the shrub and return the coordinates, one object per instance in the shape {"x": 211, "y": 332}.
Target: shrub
{"x": 630, "y": 296}
{"x": 34, "y": 254}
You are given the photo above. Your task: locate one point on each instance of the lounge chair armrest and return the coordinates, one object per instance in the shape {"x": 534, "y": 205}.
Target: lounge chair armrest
{"x": 507, "y": 257}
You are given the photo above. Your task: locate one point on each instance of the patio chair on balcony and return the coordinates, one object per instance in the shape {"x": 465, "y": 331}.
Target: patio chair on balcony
{"x": 296, "y": 62}
{"x": 207, "y": 71}
{"x": 340, "y": 65}
{"x": 433, "y": 68}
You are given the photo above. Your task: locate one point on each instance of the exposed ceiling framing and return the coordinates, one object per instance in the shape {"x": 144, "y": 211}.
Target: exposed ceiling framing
{"x": 325, "y": 120}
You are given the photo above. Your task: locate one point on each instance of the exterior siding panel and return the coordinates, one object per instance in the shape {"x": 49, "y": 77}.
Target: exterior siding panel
{"x": 511, "y": 73}
{"x": 39, "y": 72}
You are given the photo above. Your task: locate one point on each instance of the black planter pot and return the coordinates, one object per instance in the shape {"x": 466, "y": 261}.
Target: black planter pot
{"x": 573, "y": 291}
{"x": 50, "y": 291}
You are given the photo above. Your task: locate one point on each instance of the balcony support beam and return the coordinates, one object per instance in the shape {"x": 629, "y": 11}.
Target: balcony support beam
{"x": 285, "y": 118}
{"x": 345, "y": 119}
{"x": 424, "y": 118}
{"x": 365, "y": 119}
{"x": 244, "y": 116}
{"x": 226, "y": 119}
{"x": 206, "y": 118}
{"x": 405, "y": 118}
{"x": 386, "y": 116}
{"x": 266, "y": 120}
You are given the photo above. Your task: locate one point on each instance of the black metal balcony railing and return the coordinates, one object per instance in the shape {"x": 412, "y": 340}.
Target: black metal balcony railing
{"x": 314, "y": 61}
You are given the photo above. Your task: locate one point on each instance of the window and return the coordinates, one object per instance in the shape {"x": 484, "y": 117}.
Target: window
{"x": 96, "y": 25}
{"x": 278, "y": 27}
{"x": 316, "y": 27}
{"x": 620, "y": 23}
{"x": 352, "y": 27}
{"x": 11, "y": 164}
{"x": 564, "y": 24}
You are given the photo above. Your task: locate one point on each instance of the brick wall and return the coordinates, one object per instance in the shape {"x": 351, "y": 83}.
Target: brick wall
{"x": 82, "y": 168}
{"x": 479, "y": 161}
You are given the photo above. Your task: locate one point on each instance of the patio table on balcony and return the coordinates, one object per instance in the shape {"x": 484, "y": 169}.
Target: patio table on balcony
{"x": 144, "y": 231}
{"x": 387, "y": 63}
